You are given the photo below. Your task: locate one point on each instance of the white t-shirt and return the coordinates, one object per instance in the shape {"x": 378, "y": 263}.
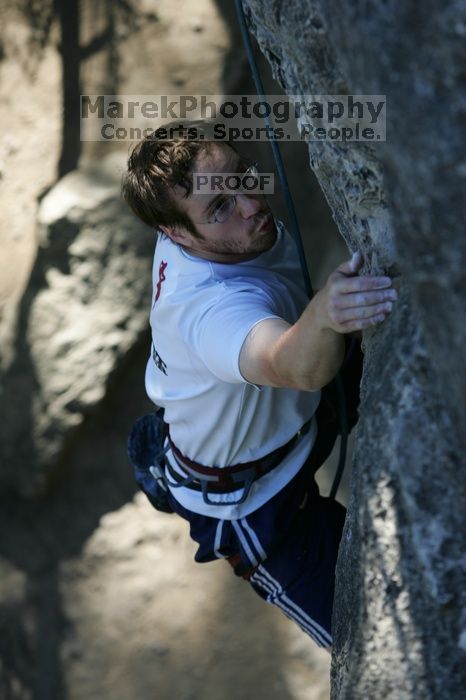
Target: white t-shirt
{"x": 202, "y": 312}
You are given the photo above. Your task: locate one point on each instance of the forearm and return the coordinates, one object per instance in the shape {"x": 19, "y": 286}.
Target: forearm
{"x": 315, "y": 343}
{"x": 309, "y": 354}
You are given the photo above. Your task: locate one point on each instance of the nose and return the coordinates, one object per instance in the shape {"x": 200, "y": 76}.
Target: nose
{"x": 248, "y": 205}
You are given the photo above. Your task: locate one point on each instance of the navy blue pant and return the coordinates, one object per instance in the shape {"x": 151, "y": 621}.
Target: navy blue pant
{"x": 287, "y": 549}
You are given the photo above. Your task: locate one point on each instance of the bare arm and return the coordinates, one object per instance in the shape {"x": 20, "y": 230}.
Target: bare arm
{"x": 308, "y": 354}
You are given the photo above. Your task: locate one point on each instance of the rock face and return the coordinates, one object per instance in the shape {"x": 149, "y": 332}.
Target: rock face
{"x": 82, "y": 313}
{"x": 400, "y": 613}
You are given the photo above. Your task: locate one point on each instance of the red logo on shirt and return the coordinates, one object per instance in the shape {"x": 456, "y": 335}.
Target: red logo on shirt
{"x": 162, "y": 268}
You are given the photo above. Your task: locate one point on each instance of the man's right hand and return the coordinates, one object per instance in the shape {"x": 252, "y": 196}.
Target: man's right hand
{"x": 349, "y": 302}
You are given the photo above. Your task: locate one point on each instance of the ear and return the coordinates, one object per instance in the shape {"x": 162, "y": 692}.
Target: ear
{"x": 176, "y": 233}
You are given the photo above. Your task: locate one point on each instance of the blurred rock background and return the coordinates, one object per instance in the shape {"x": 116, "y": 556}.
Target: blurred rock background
{"x": 99, "y": 596}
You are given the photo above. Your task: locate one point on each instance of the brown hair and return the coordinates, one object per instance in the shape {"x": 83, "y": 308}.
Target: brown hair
{"x": 156, "y": 165}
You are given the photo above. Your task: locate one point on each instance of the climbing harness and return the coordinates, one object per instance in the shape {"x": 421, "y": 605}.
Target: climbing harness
{"x": 150, "y": 440}
{"x": 227, "y": 479}
{"x": 295, "y": 230}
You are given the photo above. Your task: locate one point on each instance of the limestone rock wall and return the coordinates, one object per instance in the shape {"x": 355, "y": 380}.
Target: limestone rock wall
{"x": 400, "y": 613}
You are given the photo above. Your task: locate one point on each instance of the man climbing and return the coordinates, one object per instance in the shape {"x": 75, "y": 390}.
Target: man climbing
{"x": 238, "y": 360}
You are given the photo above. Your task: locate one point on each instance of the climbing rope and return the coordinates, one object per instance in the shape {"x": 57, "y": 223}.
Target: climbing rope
{"x": 295, "y": 230}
